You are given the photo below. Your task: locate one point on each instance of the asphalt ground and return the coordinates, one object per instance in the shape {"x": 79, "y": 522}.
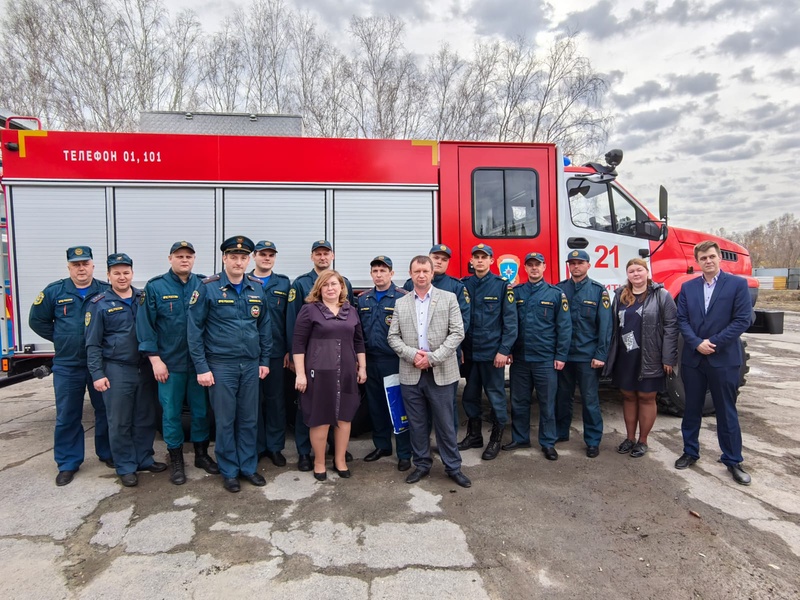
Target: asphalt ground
{"x": 610, "y": 527}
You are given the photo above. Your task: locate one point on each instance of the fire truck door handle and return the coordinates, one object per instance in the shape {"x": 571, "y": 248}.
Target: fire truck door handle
{"x": 577, "y": 242}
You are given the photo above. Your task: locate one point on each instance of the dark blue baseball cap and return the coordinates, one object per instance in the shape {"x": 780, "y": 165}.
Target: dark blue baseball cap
{"x": 265, "y": 245}
{"x": 441, "y": 249}
{"x": 237, "y": 244}
{"x": 534, "y": 256}
{"x": 385, "y": 260}
{"x": 485, "y": 248}
{"x": 79, "y": 253}
{"x": 119, "y": 259}
{"x": 322, "y": 244}
{"x": 578, "y": 255}
{"x": 182, "y": 245}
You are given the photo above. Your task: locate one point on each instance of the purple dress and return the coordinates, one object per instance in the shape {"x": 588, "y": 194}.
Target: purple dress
{"x": 330, "y": 344}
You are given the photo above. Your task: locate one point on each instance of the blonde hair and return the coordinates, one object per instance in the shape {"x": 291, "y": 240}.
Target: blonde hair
{"x": 627, "y": 297}
{"x": 315, "y": 295}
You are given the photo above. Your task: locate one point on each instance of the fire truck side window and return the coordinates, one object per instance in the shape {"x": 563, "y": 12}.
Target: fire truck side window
{"x": 589, "y": 204}
{"x": 505, "y": 203}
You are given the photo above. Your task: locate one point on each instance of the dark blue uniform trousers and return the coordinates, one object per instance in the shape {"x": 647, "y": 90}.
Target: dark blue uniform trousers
{"x": 525, "y": 376}
{"x": 271, "y": 433}
{"x": 588, "y": 381}
{"x": 70, "y": 385}
{"x": 483, "y": 375}
{"x": 131, "y": 408}
{"x": 234, "y": 398}
{"x": 382, "y": 429}
{"x": 302, "y": 437}
{"x": 723, "y": 383}
{"x": 437, "y": 400}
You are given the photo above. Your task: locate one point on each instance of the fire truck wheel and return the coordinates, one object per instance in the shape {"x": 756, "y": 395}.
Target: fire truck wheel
{"x": 673, "y": 401}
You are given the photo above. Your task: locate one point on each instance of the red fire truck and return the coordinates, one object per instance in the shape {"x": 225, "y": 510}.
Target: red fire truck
{"x": 139, "y": 192}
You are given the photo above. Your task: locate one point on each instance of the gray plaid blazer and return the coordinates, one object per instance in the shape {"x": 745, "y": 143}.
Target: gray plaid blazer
{"x": 445, "y": 332}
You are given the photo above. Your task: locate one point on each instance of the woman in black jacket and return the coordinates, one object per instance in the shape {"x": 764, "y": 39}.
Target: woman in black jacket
{"x": 644, "y": 349}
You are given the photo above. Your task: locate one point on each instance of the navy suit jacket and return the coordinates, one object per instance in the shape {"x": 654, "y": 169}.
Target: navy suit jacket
{"x": 729, "y": 315}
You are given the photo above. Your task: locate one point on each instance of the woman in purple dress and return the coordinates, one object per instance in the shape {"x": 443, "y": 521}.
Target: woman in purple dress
{"x": 330, "y": 360}
{"x": 644, "y": 350}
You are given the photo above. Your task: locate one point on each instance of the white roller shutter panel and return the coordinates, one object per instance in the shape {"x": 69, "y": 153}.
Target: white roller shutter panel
{"x": 150, "y": 220}
{"x": 290, "y": 219}
{"x": 43, "y": 222}
{"x": 397, "y": 223}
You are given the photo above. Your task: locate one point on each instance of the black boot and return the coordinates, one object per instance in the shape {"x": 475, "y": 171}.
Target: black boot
{"x": 178, "y": 476}
{"x": 202, "y": 460}
{"x": 474, "y": 437}
{"x": 493, "y": 447}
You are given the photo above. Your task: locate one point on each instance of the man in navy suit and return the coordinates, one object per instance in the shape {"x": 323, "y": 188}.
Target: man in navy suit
{"x": 713, "y": 312}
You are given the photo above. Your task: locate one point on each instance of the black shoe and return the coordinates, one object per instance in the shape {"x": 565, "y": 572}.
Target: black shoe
{"x": 562, "y": 438}
{"x": 592, "y": 451}
{"x": 376, "y": 454}
{"x": 65, "y": 477}
{"x": 277, "y": 458}
{"x": 639, "y": 450}
{"x": 550, "y": 453}
{"x": 343, "y": 474}
{"x": 460, "y": 479}
{"x": 178, "y": 475}
{"x": 740, "y": 476}
{"x": 254, "y": 478}
{"x": 321, "y": 476}
{"x": 347, "y": 456}
{"x": 416, "y": 475}
{"x": 474, "y": 437}
{"x": 626, "y": 446}
{"x": 155, "y": 467}
{"x": 403, "y": 464}
{"x": 129, "y": 479}
{"x": 202, "y": 460}
{"x": 515, "y": 445}
{"x": 231, "y": 484}
{"x": 685, "y": 461}
{"x": 109, "y": 462}
{"x": 493, "y": 447}
{"x": 304, "y": 462}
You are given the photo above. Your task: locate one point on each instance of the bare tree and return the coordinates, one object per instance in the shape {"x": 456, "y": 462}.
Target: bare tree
{"x": 183, "y": 62}
{"x": 223, "y": 69}
{"x": 776, "y": 244}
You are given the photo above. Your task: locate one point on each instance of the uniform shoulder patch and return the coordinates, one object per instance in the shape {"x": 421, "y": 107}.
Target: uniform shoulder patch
{"x": 606, "y": 299}
{"x": 211, "y": 279}
{"x": 292, "y": 295}
{"x": 99, "y": 297}
{"x": 564, "y": 302}
{"x": 195, "y": 296}
{"x": 142, "y": 297}
{"x": 510, "y": 295}
{"x": 466, "y": 295}
{"x": 254, "y": 278}
{"x": 87, "y": 319}
{"x": 39, "y": 299}
{"x": 400, "y": 291}
{"x": 361, "y": 293}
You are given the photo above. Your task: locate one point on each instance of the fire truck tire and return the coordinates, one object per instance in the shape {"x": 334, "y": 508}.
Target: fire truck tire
{"x": 673, "y": 401}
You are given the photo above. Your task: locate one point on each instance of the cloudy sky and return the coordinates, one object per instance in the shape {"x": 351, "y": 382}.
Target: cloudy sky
{"x": 705, "y": 93}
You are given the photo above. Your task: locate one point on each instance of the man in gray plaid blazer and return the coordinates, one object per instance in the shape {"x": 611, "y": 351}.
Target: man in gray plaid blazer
{"x": 426, "y": 329}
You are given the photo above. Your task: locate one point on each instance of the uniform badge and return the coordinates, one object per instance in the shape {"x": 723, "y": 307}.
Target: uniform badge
{"x": 39, "y": 299}
{"x": 78, "y": 251}
{"x": 87, "y": 319}
{"x": 195, "y": 296}
{"x": 510, "y": 296}
{"x": 141, "y": 298}
{"x": 466, "y": 295}
{"x": 292, "y": 295}
{"x": 255, "y": 311}
{"x": 606, "y": 301}
{"x": 388, "y": 319}
{"x": 564, "y": 303}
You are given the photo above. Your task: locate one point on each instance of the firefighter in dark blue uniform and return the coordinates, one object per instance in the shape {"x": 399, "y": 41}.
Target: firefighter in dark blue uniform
{"x": 271, "y": 436}
{"x": 440, "y": 255}
{"x": 375, "y": 309}
{"x": 230, "y": 342}
{"x": 322, "y": 256}
{"x": 541, "y": 349}
{"x": 161, "y": 329}
{"x": 57, "y": 315}
{"x": 122, "y": 373}
{"x": 590, "y": 308}
{"x": 487, "y": 348}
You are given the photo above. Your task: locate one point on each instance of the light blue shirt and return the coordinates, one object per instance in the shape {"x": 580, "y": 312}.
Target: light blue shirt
{"x": 422, "y": 305}
{"x": 708, "y": 289}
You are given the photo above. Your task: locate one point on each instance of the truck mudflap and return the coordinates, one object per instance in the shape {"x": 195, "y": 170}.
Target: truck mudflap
{"x": 767, "y": 321}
